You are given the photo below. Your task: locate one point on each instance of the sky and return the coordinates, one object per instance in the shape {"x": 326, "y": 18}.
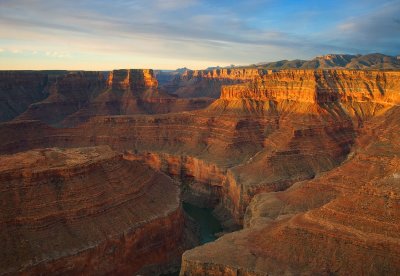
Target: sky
{"x": 170, "y": 34}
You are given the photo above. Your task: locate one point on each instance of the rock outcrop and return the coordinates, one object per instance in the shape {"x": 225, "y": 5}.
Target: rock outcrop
{"x": 86, "y": 210}
{"x": 319, "y": 86}
{"x": 132, "y": 79}
{"x": 207, "y": 83}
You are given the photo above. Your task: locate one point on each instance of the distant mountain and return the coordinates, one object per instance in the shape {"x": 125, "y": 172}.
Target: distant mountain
{"x": 369, "y": 61}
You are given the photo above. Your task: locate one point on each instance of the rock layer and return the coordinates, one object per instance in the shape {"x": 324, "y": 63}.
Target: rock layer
{"x": 207, "y": 83}
{"x": 320, "y": 86}
{"x": 133, "y": 91}
{"x": 86, "y": 210}
{"x": 70, "y": 98}
{"x": 201, "y": 181}
{"x": 343, "y": 222}
{"x": 132, "y": 79}
{"x": 67, "y": 94}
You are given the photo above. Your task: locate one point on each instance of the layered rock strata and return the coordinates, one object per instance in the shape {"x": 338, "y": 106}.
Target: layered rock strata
{"x": 257, "y": 148}
{"x": 201, "y": 181}
{"x": 70, "y": 98}
{"x": 67, "y": 94}
{"x": 132, "y": 79}
{"x": 343, "y": 222}
{"x": 133, "y": 91}
{"x": 207, "y": 83}
{"x": 86, "y": 210}
{"x": 265, "y": 140}
{"x": 320, "y": 86}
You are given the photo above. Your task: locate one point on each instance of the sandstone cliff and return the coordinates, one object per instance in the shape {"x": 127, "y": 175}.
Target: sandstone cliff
{"x": 320, "y": 86}
{"x": 207, "y": 83}
{"x": 318, "y": 114}
{"x": 86, "y": 210}
{"x": 132, "y": 79}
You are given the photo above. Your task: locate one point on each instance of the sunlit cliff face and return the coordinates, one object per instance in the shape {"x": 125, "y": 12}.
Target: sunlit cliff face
{"x": 132, "y": 79}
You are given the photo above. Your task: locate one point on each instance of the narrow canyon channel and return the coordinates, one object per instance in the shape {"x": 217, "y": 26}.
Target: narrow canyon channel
{"x": 208, "y": 225}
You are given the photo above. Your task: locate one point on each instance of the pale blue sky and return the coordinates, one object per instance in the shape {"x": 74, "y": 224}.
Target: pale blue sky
{"x": 167, "y": 34}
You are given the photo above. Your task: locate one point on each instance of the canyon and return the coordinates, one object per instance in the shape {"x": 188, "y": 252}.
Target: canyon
{"x": 302, "y": 165}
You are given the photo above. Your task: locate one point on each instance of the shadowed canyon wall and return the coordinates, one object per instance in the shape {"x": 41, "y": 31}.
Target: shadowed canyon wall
{"x": 70, "y": 98}
{"x": 67, "y": 94}
{"x": 18, "y": 90}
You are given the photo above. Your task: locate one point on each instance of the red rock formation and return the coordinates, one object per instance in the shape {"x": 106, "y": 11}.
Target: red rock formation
{"x": 266, "y": 142}
{"x": 233, "y": 74}
{"x": 86, "y": 210}
{"x": 133, "y": 79}
{"x": 202, "y": 181}
{"x": 19, "y": 89}
{"x": 207, "y": 83}
{"x": 70, "y": 98}
{"x": 316, "y": 111}
{"x": 130, "y": 92}
{"x": 344, "y": 222}
{"x": 320, "y": 86}
{"x": 68, "y": 94}
{"x": 258, "y": 140}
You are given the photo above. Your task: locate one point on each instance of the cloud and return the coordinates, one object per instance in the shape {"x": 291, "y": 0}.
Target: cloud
{"x": 378, "y": 30}
{"x": 56, "y": 54}
{"x": 239, "y": 32}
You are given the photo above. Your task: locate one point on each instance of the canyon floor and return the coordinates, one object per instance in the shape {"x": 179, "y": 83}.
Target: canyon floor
{"x": 297, "y": 171}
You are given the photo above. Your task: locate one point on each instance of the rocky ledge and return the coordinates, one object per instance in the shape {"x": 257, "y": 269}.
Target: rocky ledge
{"x": 86, "y": 210}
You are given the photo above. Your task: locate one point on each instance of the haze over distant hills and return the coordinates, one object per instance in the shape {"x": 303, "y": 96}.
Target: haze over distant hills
{"x": 343, "y": 61}
{"x": 334, "y": 61}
